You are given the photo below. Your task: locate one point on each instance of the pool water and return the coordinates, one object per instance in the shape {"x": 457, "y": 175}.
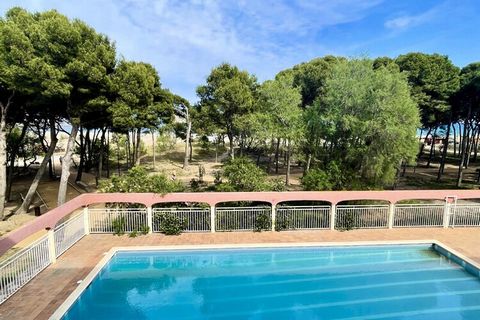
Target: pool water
{"x": 368, "y": 282}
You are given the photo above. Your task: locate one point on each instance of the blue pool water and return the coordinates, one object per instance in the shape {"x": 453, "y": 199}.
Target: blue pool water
{"x": 370, "y": 282}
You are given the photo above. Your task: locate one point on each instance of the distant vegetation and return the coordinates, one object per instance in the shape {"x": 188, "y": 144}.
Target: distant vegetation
{"x": 348, "y": 123}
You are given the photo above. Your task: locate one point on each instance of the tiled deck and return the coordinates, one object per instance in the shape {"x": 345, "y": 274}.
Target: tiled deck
{"x": 42, "y": 296}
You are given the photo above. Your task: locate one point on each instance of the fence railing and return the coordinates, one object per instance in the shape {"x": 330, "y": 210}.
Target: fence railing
{"x": 361, "y": 216}
{"x": 68, "y": 233}
{"x": 465, "y": 215}
{"x": 196, "y": 219}
{"x": 20, "y": 268}
{"x": 239, "y": 218}
{"x": 418, "y": 215}
{"x": 109, "y": 220}
{"x": 302, "y": 217}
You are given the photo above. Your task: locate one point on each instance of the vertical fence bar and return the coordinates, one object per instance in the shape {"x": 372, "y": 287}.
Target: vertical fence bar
{"x": 149, "y": 219}
{"x": 274, "y": 216}
{"x": 212, "y": 218}
{"x": 333, "y": 214}
{"x": 391, "y": 213}
{"x": 51, "y": 245}
{"x": 86, "y": 220}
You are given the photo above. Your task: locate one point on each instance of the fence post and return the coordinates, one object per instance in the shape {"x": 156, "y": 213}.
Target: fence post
{"x": 86, "y": 220}
{"x": 51, "y": 245}
{"x": 274, "y": 216}
{"x": 212, "y": 218}
{"x": 446, "y": 214}
{"x": 149, "y": 219}
{"x": 391, "y": 212}
{"x": 333, "y": 216}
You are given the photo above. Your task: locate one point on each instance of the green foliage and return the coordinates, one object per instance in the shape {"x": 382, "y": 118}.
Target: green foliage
{"x": 243, "y": 175}
{"x": 330, "y": 178}
{"x": 228, "y": 95}
{"x": 433, "y": 79}
{"x": 133, "y": 234}
{"x": 165, "y": 142}
{"x": 348, "y": 223}
{"x": 118, "y": 226}
{"x": 263, "y": 221}
{"x": 367, "y": 120}
{"x": 170, "y": 224}
{"x": 283, "y": 222}
{"x": 144, "y": 229}
{"x": 138, "y": 180}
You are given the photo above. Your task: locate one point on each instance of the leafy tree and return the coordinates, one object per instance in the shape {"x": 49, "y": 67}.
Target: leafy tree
{"x": 281, "y": 112}
{"x": 467, "y": 107}
{"x": 433, "y": 79}
{"x": 140, "y": 101}
{"x": 367, "y": 121}
{"x": 228, "y": 95}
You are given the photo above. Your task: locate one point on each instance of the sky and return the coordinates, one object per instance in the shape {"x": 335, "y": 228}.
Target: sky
{"x": 185, "y": 39}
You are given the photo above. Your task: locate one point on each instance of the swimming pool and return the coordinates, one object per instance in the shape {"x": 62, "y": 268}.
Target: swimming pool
{"x": 350, "y": 282}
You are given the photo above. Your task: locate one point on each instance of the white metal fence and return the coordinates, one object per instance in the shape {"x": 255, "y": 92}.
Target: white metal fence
{"x": 465, "y": 215}
{"x": 418, "y": 215}
{"x": 20, "y": 268}
{"x": 239, "y": 218}
{"x": 196, "y": 219}
{"x": 109, "y": 220}
{"x": 68, "y": 233}
{"x": 361, "y": 216}
{"x": 302, "y": 217}
{"x": 25, "y": 264}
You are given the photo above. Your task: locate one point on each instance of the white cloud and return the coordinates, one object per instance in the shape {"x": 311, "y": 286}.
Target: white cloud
{"x": 185, "y": 39}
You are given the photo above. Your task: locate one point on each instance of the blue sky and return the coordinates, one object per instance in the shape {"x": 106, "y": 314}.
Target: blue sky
{"x": 185, "y": 39}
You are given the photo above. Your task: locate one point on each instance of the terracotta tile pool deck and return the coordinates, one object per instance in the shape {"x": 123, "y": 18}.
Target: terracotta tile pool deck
{"x": 46, "y": 292}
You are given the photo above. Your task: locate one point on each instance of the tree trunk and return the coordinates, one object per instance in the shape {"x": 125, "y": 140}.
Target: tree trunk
{"x": 454, "y": 140}
{"x": 230, "y": 143}
{"x": 191, "y": 150}
{"x": 82, "y": 157}
{"x": 100, "y": 158}
{"x": 470, "y": 146}
{"x": 277, "y": 150}
{"x": 13, "y": 156}
{"x": 3, "y": 163}
{"x": 137, "y": 147}
{"x": 288, "y": 153}
{"x": 108, "y": 154}
{"x": 462, "y": 151}
{"x": 118, "y": 156}
{"x": 432, "y": 148}
{"x": 127, "y": 150}
{"x": 41, "y": 170}
{"x": 66, "y": 164}
{"x": 422, "y": 147}
{"x": 309, "y": 162}
{"x": 475, "y": 145}
{"x": 153, "y": 149}
{"x": 444, "y": 154}
{"x": 187, "y": 140}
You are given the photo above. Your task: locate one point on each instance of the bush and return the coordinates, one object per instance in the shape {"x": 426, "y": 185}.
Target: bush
{"x": 262, "y": 222}
{"x": 138, "y": 180}
{"x": 170, "y": 224}
{"x": 242, "y": 174}
{"x": 330, "y": 178}
{"x": 118, "y": 226}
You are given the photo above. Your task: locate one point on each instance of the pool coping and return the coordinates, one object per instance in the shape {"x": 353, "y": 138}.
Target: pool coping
{"x": 447, "y": 251}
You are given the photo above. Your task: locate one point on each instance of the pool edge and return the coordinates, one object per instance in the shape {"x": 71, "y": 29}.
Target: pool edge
{"x": 65, "y": 306}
